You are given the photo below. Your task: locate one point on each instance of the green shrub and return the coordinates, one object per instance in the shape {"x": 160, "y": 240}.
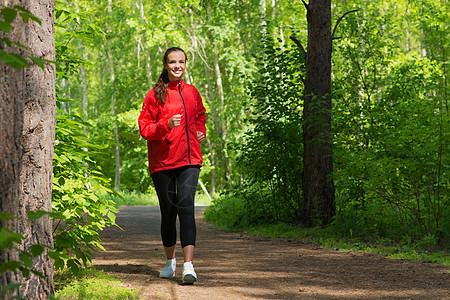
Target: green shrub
{"x": 76, "y": 182}
{"x": 271, "y": 154}
{"x": 227, "y": 211}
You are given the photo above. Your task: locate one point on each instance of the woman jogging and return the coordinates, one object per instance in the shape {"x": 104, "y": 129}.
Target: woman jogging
{"x": 172, "y": 121}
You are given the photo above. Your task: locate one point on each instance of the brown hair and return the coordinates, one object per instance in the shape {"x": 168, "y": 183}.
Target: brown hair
{"x": 162, "y": 84}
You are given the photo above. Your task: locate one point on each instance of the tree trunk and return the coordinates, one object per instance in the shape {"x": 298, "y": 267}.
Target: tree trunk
{"x": 318, "y": 187}
{"x": 209, "y": 99}
{"x": 223, "y": 123}
{"x": 213, "y": 166}
{"x": 113, "y": 109}
{"x": 83, "y": 78}
{"x": 27, "y": 134}
{"x": 148, "y": 68}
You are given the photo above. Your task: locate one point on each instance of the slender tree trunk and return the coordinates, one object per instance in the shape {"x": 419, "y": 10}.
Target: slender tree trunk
{"x": 27, "y": 134}
{"x": 115, "y": 127}
{"x": 318, "y": 187}
{"x": 223, "y": 122}
{"x": 113, "y": 110}
{"x": 218, "y": 106}
{"x": 209, "y": 98}
{"x": 213, "y": 166}
{"x": 84, "y": 89}
{"x": 144, "y": 44}
{"x": 83, "y": 77}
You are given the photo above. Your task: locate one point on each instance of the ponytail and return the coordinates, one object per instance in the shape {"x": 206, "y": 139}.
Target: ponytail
{"x": 162, "y": 84}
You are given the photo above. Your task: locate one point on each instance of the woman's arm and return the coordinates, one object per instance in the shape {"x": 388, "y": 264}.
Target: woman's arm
{"x": 201, "y": 116}
{"x": 151, "y": 126}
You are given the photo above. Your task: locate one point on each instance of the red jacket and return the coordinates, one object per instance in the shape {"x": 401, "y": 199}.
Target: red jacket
{"x": 177, "y": 147}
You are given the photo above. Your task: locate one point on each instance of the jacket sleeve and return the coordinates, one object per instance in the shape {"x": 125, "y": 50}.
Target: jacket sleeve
{"x": 201, "y": 116}
{"x": 151, "y": 126}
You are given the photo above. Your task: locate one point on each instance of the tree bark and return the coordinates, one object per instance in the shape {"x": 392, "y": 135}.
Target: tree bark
{"x": 318, "y": 187}
{"x": 27, "y": 134}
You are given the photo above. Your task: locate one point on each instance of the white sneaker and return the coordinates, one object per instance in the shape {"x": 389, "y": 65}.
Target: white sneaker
{"x": 189, "y": 275}
{"x": 168, "y": 271}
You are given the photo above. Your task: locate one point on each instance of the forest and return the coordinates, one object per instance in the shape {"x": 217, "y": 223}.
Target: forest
{"x": 389, "y": 128}
{"x": 383, "y": 126}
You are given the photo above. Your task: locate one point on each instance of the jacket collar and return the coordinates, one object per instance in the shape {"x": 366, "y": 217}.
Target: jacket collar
{"x": 174, "y": 84}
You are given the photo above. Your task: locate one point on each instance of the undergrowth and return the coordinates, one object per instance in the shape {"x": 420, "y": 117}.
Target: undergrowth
{"x": 91, "y": 284}
{"x": 229, "y": 213}
{"x": 328, "y": 238}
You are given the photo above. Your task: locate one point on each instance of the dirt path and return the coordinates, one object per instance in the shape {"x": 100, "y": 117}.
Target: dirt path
{"x": 238, "y": 266}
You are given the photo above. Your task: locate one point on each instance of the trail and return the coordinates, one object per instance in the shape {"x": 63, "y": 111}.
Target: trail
{"x": 238, "y": 266}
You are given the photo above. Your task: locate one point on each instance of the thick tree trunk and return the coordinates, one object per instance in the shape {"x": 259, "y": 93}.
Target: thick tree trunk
{"x": 27, "y": 126}
{"x": 318, "y": 187}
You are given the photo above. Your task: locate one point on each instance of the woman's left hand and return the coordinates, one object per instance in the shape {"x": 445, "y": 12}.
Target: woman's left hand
{"x": 200, "y": 136}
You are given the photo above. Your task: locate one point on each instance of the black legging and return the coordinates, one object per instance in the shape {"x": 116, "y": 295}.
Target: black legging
{"x": 176, "y": 193}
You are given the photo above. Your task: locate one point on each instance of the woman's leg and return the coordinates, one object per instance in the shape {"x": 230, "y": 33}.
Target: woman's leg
{"x": 187, "y": 180}
{"x": 170, "y": 252}
{"x": 188, "y": 253}
{"x": 164, "y": 183}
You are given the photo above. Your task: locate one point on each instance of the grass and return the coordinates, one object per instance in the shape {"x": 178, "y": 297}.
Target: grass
{"x": 91, "y": 284}
{"x": 327, "y": 238}
{"x": 230, "y": 213}
{"x": 137, "y": 199}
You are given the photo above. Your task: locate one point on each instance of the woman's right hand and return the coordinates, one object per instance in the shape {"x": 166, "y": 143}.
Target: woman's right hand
{"x": 175, "y": 121}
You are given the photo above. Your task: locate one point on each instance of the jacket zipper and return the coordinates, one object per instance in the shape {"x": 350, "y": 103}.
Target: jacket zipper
{"x": 185, "y": 119}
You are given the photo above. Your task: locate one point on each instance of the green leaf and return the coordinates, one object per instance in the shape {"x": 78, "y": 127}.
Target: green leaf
{"x": 9, "y": 14}
{"x": 35, "y": 215}
{"x": 111, "y": 216}
{"x": 27, "y": 16}
{"x": 58, "y": 13}
{"x": 58, "y": 260}
{"x": 26, "y": 259}
{"x": 38, "y": 61}
{"x": 9, "y": 287}
{"x": 18, "y": 7}
{"x": 14, "y": 60}
{"x": 19, "y": 45}
{"x": 5, "y": 26}
{"x": 9, "y": 237}
{"x": 6, "y": 216}
{"x": 25, "y": 272}
{"x": 7, "y": 41}
{"x": 10, "y": 265}
{"x": 37, "y": 250}
{"x": 37, "y": 273}
{"x": 73, "y": 266}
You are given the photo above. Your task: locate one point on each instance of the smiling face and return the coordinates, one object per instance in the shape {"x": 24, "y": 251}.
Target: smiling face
{"x": 175, "y": 65}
